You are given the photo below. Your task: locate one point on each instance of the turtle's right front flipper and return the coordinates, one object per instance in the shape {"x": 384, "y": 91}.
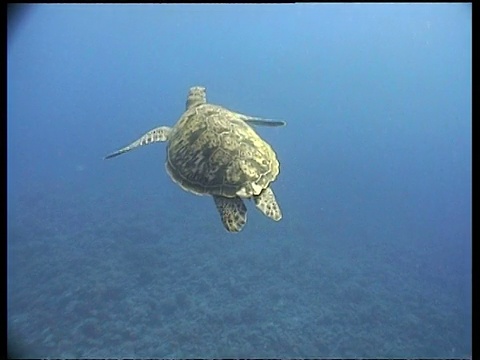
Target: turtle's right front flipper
{"x": 258, "y": 121}
{"x": 264, "y": 122}
{"x": 156, "y": 135}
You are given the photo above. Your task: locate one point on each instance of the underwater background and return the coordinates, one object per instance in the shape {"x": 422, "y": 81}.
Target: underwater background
{"x": 373, "y": 256}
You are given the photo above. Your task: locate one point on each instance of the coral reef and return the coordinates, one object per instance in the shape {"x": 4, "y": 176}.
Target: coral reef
{"x": 87, "y": 278}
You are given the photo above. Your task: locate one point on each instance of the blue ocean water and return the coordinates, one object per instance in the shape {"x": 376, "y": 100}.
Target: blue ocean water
{"x": 373, "y": 256}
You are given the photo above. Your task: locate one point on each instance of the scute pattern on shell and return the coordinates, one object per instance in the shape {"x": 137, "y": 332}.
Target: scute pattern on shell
{"x": 212, "y": 151}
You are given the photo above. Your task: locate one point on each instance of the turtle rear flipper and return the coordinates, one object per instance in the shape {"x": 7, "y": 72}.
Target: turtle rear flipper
{"x": 233, "y": 212}
{"x": 155, "y": 135}
{"x": 267, "y": 204}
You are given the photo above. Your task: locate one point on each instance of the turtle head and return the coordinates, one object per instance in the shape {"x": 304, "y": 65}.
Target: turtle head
{"x": 196, "y": 96}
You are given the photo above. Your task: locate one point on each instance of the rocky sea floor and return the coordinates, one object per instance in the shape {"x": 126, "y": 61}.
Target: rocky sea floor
{"x": 105, "y": 275}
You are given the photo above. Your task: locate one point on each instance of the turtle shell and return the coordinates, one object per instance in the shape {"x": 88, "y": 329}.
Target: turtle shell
{"x": 211, "y": 150}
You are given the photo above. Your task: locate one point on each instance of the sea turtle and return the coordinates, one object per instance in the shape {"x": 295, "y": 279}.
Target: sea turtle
{"x": 214, "y": 151}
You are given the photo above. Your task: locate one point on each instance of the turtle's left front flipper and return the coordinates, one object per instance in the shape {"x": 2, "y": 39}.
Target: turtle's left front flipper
{"x": 156, "y": 135}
